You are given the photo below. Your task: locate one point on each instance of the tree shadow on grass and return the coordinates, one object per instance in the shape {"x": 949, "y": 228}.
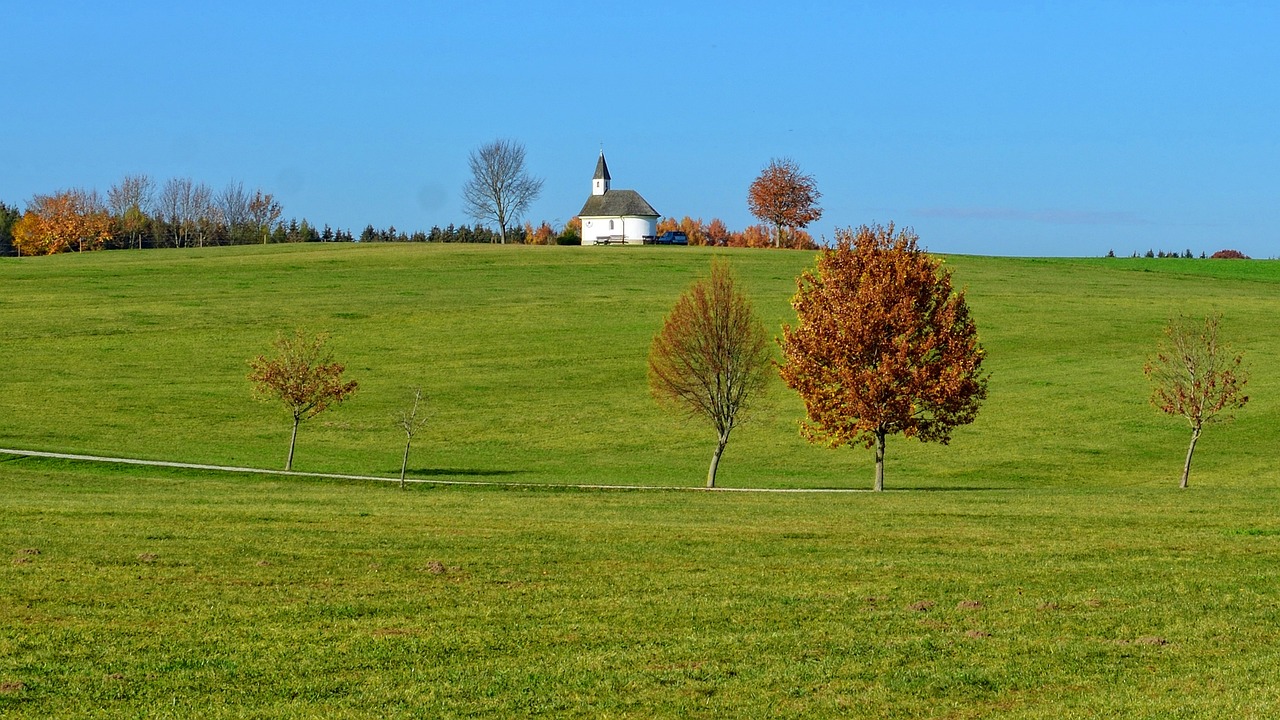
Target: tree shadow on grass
{"x": 945, "y": 489}
{"x": 458, "y": 472}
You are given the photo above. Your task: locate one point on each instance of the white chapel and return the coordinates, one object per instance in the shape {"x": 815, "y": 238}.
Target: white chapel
{"x": 615, "y": 217}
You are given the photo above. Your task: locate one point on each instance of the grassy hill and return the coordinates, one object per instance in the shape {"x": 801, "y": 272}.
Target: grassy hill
{"x": 1045, "y": 566}
{"x": 534, "y": 362}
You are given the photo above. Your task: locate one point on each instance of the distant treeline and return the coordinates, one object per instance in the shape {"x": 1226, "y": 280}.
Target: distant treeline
{"x": 1187, "y": 254}
{"x": 139, "y": 213}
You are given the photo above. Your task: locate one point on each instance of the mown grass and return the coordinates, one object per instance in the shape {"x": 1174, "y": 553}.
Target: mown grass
{"x": 534, "y": 362}
{"x": 184, "y": 594}
{"x": 1042, "y": 566}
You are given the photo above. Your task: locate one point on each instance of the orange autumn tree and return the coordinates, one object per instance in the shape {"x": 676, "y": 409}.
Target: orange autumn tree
{"x": 303, "y": 376}
{"x": 694, "y": 230}
{"x": 544, "y": 234}
{"x": 882, "y": 345}
{"x": 68, "y": 220}
{"x": 799, "y": 240}
{"x": 717, "y": 232}
{"x": 1195, "y": 375}
{"x": 752, "y": 236}
{"x": 711, "y": 358}
{"x": 784, "y": 197}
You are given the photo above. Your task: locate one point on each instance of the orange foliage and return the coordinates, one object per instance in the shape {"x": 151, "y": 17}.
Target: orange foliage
{"x": 694, "y": 230}
{"x": 784, "y": 197}
{"x": 882, "y": 345}
{"x": 717, "y": 233}
{"x": 68, "y": 220}
{"x": 797, "y": 239}
{"x": 542, "y": 235}
{"x": 756, "y": 236}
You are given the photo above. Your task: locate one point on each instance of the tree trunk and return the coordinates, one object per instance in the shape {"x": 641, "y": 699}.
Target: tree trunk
{"x": 1186, "y": 468}
{"x": 715, "y": 461}
{"x": 288, "y": 465}
{"x": 879, "y": 460}
{"x": 405, "y": 462}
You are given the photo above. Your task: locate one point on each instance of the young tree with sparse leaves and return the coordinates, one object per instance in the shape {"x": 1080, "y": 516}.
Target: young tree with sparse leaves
{"x": 711, "y": 358}
{"x": 882, "y": 345}
{"x": 500, "y": 189}
{"x": 1195, "y": 375}
{"x": 410, "y": 422}
{"x": 784, "y": 197}
{"x": 303, "y": 376}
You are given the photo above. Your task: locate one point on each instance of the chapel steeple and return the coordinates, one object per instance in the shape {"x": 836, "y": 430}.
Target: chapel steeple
{"x": 600, "y": 183}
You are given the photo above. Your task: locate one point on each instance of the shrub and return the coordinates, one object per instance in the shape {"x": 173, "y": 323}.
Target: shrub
{"x": 1229, "y": 255}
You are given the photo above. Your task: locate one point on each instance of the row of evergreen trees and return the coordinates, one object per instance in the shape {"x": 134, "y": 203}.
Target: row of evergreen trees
{"x": 450, "y": 234}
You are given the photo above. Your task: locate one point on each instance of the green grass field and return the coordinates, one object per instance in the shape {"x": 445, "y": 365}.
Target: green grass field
{"x": 1043, "y": 565}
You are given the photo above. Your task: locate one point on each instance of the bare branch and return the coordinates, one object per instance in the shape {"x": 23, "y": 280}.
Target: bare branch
{"x": 499, "y": 189}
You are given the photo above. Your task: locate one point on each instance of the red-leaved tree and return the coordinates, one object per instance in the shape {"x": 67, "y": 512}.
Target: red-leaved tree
{"x": 882, "y": 345}
{"x": 784, "y": 197}
{"x": 712, "y": 356}
{"x": 1195, "y": 375}
{"x": 303, "y": 376}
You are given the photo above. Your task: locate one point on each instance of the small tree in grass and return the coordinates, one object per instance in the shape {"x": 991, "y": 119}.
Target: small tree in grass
{"x": 410, "y": 422}
{"x": 882, "y": 345}
{"x": 712, "y": 356}
{"x": 1195, "y": 375}
{"x": 303, "y": 376}
{"x": 784, "y": 197}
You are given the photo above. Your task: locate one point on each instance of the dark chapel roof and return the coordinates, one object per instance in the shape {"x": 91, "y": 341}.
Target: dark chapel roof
{"x": 615, "y": 203}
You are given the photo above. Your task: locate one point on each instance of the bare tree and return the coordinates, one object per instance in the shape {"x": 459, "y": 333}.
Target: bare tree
{"x": 187, "y": 207}
{"x": 499, "y": 189}
{"x": 131, "y": 201}
{"x": 712, "y": 357}
{"x": 232, "y": 203}
{"x": 204, "y": 214}
{"x": 1195, "y": 375}
{"x": 410, "y": 423}
{"x": 169, "y": 208}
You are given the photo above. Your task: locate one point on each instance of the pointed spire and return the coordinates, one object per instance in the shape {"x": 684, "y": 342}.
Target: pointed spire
{"x": 600, "y": 183}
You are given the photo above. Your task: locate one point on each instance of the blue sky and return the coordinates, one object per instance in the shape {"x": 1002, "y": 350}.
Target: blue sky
{"x": 1020, "y": 128}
